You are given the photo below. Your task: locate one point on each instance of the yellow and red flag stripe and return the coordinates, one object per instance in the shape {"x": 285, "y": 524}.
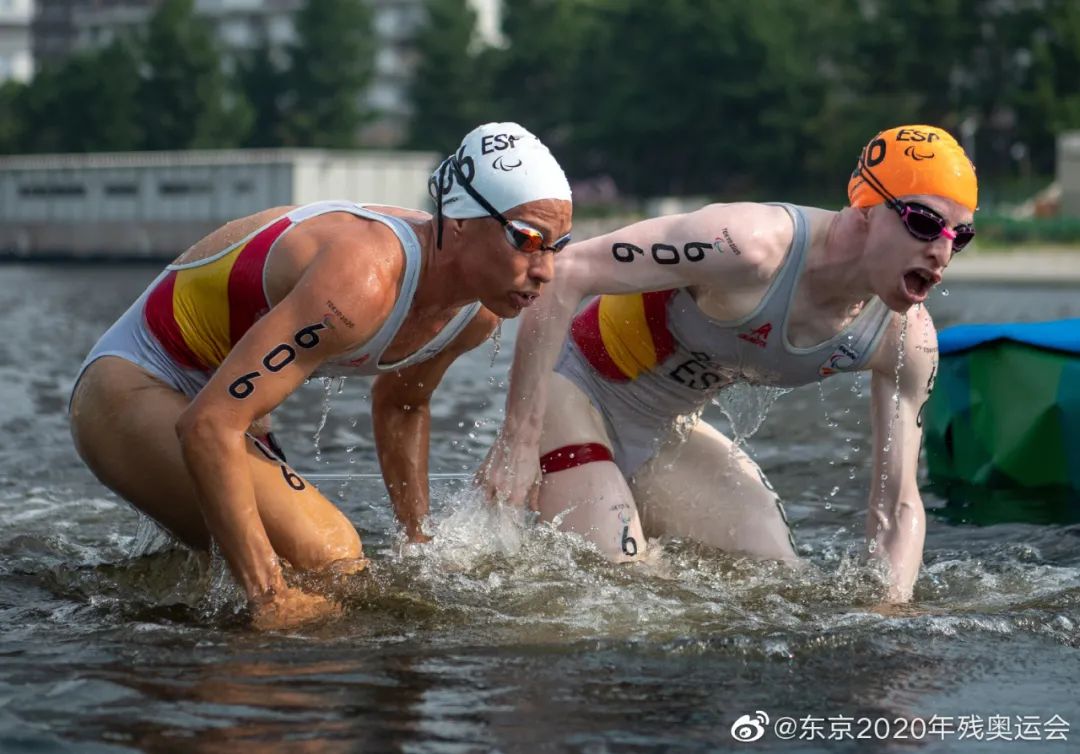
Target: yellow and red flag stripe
{"x": 623, "y": 336}
{"x": 199, "y": 311}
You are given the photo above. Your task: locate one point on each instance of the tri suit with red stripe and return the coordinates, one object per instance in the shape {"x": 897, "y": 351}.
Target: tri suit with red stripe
{"x": 190, "y": 317}
{"x": 647, "y": 359}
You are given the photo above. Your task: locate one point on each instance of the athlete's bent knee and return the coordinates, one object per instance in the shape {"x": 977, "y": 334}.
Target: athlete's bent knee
{"x": 340, "y": 544}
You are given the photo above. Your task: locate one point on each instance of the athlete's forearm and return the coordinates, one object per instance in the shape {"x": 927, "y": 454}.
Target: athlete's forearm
{"x": 896, "y": 525}
{"x": 540, "y": 339}
{"x": 218, "y": 463}
{"x": 402, "y": 442}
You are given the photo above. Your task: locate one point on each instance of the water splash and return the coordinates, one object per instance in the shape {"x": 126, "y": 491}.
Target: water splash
{"x": 496, "y": 342}
{"x": 328, "y": 390}
{"x": 685, "y": 424}
{"x": 149, "y": 537}
{"x": 746, "y": 406}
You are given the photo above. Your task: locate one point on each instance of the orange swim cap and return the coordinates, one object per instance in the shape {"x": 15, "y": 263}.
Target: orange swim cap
{"x": 913, "y": 160}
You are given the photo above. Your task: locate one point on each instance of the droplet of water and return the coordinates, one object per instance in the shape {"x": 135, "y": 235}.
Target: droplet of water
{"x": 328, "y": 388}
{"x": 496, "y": 342}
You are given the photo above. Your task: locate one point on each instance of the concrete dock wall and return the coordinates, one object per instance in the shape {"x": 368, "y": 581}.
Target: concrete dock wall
{"x": 155, "y": 204}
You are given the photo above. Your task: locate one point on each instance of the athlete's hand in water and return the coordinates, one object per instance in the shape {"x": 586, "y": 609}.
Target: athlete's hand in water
{"x": 510, "y": 475}
{"x": 417, "y": 537}
{"x": 288, "y": 608}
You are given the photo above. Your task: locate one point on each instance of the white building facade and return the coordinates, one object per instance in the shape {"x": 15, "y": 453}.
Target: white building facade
{"x": 16, "y": 53}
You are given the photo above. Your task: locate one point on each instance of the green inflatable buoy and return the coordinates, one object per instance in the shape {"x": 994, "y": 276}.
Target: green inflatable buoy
{"x": 1002, "y": 427}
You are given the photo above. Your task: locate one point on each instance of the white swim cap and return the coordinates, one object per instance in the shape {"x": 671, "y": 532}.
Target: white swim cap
{"x": 503, "y": 163}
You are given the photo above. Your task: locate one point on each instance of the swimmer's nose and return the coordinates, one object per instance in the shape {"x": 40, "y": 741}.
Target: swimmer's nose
{"x": 542, "y": 269}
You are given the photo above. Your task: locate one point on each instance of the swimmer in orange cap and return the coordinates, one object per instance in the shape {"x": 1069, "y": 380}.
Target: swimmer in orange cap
{"x": 679, "y": 307}
{"x": 164, "y": 405}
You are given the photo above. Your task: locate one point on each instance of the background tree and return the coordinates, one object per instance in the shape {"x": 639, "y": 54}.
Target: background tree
{"x": 535, "y": 72}
{"x": 449, "y": 86}
{"x": 185, "y": 98}
{"x": 87, "y": 103}
{"x": 100, "y": 95}
{"x": 1048, "y": 100}
{"x": 263, "y": 82}
{"x": 755, "y": 100}
{"x": 332, "y": 64}
{"x": 11, "y": 120}
{"x": 695, "y": 98}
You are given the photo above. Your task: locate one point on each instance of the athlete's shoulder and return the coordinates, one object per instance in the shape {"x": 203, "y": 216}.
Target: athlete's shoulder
{"x": 753, "y": 213}
{"x": 909, "y": 343}
{"x": 357, "y": 260}
{"x": 755, "y": 237}
{"x": 355, "y": 241}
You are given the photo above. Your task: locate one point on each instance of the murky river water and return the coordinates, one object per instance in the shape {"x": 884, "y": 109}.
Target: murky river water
{"x": 504, "y": 638}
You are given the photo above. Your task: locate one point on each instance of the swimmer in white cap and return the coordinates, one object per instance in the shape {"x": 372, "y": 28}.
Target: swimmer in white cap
{"x": 169, "y": 407}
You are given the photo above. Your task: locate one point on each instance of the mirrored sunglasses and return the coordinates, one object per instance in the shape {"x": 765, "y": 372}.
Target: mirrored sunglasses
{"x": 526, "y": 238}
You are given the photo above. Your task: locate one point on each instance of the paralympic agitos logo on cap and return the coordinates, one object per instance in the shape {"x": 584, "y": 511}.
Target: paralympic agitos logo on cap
{"x": 914, "y": 153}
{"x": 500, "y": 163}
{"x": 498, "y": 143}
{"x": 918, "y": 152}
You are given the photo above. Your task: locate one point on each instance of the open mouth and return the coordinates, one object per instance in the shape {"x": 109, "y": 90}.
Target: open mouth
{"x": 917, "y": 284}
{"x": 522, "y": 300}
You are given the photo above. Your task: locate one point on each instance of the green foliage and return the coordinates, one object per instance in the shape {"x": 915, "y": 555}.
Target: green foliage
{"x": 331, "y": 66}
{"x": 448, "y": 88}
{"x": 264, "y": 85}
{"x": 677, "y": 97}
{"x": 1049, "y": 100}
{"x": 755, "y": 100}
{"x": 1010, "y": 232}
{"x": 10, "y": 122}
{"x": 69, "y": 110}
{"x": 109, "y": 115}
{"x": 185, "y": 98}
{"x": 538, "y": 72}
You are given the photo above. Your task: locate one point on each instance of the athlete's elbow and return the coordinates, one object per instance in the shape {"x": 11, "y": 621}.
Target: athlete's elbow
{"x": 196, "y": 428}
{"x": 900, "y": 523}
{"x": 908, "y": 511}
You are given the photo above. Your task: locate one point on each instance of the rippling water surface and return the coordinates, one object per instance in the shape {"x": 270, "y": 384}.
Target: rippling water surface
{"x": 500, "y": 636}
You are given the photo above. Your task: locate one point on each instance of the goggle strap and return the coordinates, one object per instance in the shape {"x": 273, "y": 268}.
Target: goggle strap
{"x": 873, "y": 182}
{"x": 467, "y": 185}
{"x": 438, "y": 207}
